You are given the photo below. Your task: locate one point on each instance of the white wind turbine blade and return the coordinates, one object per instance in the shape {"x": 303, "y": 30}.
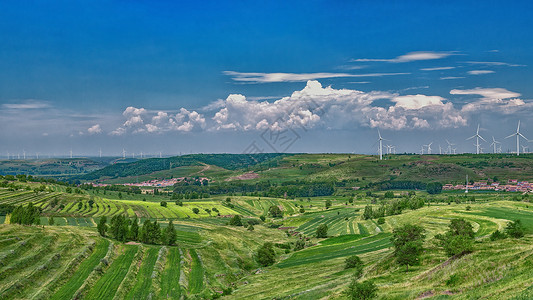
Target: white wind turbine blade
{"x": 482, "y": 138}
{"x": 471, "y": 137}
{"x": 523, "y": 136}
{"x": 510, "y": 135}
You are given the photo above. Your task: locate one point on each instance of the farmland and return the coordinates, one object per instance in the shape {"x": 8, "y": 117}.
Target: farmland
{"x": 211, "y": 258}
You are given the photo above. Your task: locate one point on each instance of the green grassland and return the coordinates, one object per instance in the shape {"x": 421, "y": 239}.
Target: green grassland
{"x": 69, "y": 260}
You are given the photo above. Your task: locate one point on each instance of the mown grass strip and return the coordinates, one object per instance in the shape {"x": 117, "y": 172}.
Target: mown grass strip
{"x": 107, "y": 285}
{"x": 170, "y": 287}
{"x": 196, "y": 277}
{"x": 86, "y": 267}
{"x": 143, "y": 281}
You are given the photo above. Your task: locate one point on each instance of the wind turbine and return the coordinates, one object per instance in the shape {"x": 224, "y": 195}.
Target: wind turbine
{"x": 450, "y": 147}
{"x": 159, "y": 154}
{"x": 24, "y": 154}
{"x": 524, "y": 148}
{"x": 440, "y": 150}
{"x": 422, "y": 150}
{"x": 494, "y": 144}
{"x": 429, "y": 147}
{"x": 100, "y": 152}
{"x": 477, "y": 136}
{"x": 70, "y": 153}
{"x": 381, "y": 139}
{"x": 518, "y": 135}
{"x": 123, "y": 153}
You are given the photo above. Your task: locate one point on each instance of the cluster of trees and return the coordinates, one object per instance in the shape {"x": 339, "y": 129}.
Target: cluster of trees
{"x": 146, "y": 166}
{"x": 392, "y": 207}
{"x": 266, "y": 255}
{"x": 26, "y": 215}
{"x": 432, "y": 187}
{"x": 291, "y": 189}
{"x": 513, "y": 229}
{"x": 408, "y": 243}
{"x": 124, "y": 229}
{"x": 459, "y": 239}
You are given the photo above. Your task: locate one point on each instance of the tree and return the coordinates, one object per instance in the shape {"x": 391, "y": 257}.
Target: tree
{"x": 196, "y": 210}
{"x": 322, "y": 231}
{"x": 354, "y": 262}
{"x": 265, "y": 254}
{"x": 328, "y": 204}
{"x": 367, "y": 213}
{"x": 51, "y": 221}
{"x": 102, "y": 226}
{"x": 26, "y": 215}
{"x": 389, "y": 194}
{"x": 361, "y": 290}
{"x": 459, "y": 239}
{"x": 515, "y": 229}
{"x": 134, "y": 230}
{"x": 170, "y": 235}
{"x": 251, "y": 227}
{"x": 235, "y": 221}
{"x": 407, "y": 241}
{"x": 497, "y": 235}
{"x": 275, "y": 212}
{"x": 163, "y": 203}
{"x": 434, "y": 188}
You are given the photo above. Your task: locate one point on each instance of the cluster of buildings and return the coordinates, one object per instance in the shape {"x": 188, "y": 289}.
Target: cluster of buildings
{"x": 153, "y": 183}
{"x": 512, "y": 185}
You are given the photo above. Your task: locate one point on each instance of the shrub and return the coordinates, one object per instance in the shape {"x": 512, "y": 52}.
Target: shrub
{"x": 328, "y": 204}
{"x": 354, "y": 262}
{"x": 196, "y": 210}
{"x": 275, "y": 212}
{"x": 265, "y": 255}
{"x": 361, "y": 290}
{"x": 163, "y": 203}
{"x": 408, "y": 241}
{"x": 459, "y": 239}
{"x": 322, "y": 231}
{"x": 381, "y": 221}
{"x": 236, "y": 221}
{"x": 262, "y": 218}
{"x": 497, "y": 235}
{"x": 515, "y": 229}
{"x": 299, "y": 245}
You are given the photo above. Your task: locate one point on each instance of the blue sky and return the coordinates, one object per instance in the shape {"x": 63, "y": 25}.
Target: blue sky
{"x": 215, "y": 76}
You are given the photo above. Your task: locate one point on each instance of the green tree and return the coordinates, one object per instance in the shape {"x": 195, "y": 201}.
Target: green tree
{"x": 408, "y": 240}
{"x": 251, "y": 227}
{"x": 102, "y": 226}
{"x": 328, "y": 204}
{"x": 354, "y": 262}
{"x": 51, "y": 221}
{"x": 459, "y": 239}
{"x": 515, "y": 229}
{"x": 361, "y": 290}
{"x": 434, "y": 188}
{"x": 196, "y": 210}
{"x": 170, "y": 235}
{"x": 163, "y": 203}
{"x": 236, "y": 221}
{"x": 266, "y": 255}
{"x": 367, "y": 213}
{"x": 275, "y": 212}
{"x": 134, "y": 230}
{"x": 322, "y": 231}
{"x": 389, "y": 194}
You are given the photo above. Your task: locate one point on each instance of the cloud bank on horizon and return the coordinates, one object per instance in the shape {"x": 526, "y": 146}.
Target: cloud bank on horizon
{"x": 328, "y": 108}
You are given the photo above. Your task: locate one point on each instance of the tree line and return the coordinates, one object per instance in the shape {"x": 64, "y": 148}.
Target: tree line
{"x": 124, "y": 229}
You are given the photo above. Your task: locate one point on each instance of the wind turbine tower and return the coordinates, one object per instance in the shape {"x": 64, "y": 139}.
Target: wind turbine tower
{"x": 24, "y": 154}
{"x": 70, "y": 153}
{"x": 518, "y": 135}
{"x": 494, "y": 144}
{"x": 100, "y": 152}
{"x": 380, "y": 146}
{"x": 477, "y": 136}
{"x": 123, "y": 153}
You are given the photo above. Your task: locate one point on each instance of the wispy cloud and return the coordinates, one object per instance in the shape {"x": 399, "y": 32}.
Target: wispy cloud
{"x": 437, "y": 68}
{"x": 27, "y": 104}
{"x": 295, "y": 77}
{"x": 411, "y": 56}
{"x": 493, "y": 63}
{"x": 451, "y": 77}
{"x": 492, "y": 93}
{"x": 480, "y": 72}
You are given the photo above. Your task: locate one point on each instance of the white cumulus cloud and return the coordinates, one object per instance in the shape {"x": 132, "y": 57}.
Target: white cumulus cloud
{"x": 95, "y": 129}
{"x": 411, "y": 56}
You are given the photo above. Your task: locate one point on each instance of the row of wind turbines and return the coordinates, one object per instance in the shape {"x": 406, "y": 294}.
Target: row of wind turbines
{"x": 496, "y": 145}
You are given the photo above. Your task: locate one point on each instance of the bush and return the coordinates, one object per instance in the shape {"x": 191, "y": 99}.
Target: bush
{"x": 236, "y": 221}
{"x": 408, "y": 241}
{"x": 299, "y": 245}
{"x": 265, "y": 255}
{"x": 354, "y": 262}
{"x": 361, "y": 290}
{"x": 275, "y": 212}
{"x": 515, "y": 229}
{"x": 328, "y": 204}
{"x": 163, "y": 203}
{"x": 497, "y": 235}
{"x": 381, "y": 221}
{"x": 196, "y": 210}
{"x": 434, "y": 188}
{"x": 262, "y": 218}
{"x": 459, "y": 239}
{"x": 322, "y": 231}
{"x": 468, "y": 208}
